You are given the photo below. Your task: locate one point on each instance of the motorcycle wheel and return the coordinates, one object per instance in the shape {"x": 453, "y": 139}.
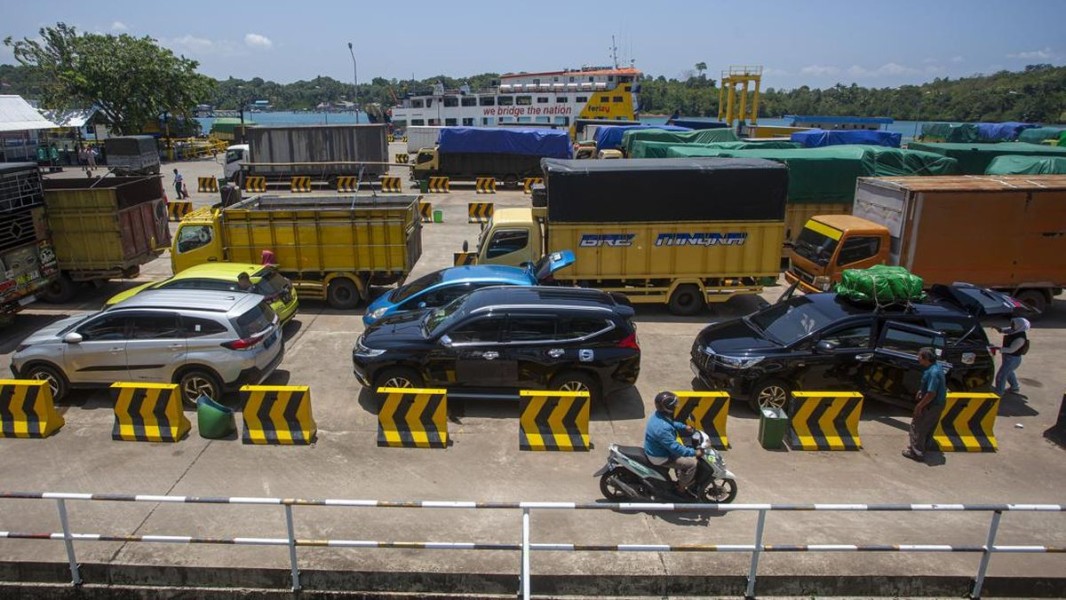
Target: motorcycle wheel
{"x": 719, "y": 491}
{"x": 610, "y": 489}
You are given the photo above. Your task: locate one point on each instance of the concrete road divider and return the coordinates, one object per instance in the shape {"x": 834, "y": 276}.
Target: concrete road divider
{"x": 460, "y": 259}
{"x": 148, "y": 412}
{"x": 257, "y": 184}
{"x": 390, "y": 138}
{"x": 706, "y": 411}
{"x": 479, "y": 212}
{"x": 425, "y": 210}
{"x": 178, "y": 209}
{"x": 277, "y": 415}
{"x": 347, "y": 183}
{"x": 825, "y": 421}
{"x": 391, "y": 183}
{"x": 527, "y": 184}
{"x": 967, "y": 423}
{"x": 404, "y": 139}
{"x": 439, "y": 185}
{"x": 27, "y": 409}
{"x": 300, "y": 184}
{"x": 403, "y": 158}
{"x": 413, "y": 418}
{"x": 206, "y": 185}
{"x": 485, "y": 185}
{"x": 553, "y": 421}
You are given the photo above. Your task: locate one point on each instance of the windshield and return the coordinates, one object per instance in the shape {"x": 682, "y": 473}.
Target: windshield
{"x": 255, "y": 321}
{"x": 815, "y": 247}
{"x": 437, "y": 318}
{"x": 234, "y": 155}
{"x": 788, "y": 322}
{"x": 271, "y": 283}
{"x": 404, "y": 292}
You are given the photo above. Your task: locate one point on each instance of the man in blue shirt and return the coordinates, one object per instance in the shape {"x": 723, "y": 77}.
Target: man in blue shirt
{"x": 661, "y": 445}
{"x": 931, "y": 398}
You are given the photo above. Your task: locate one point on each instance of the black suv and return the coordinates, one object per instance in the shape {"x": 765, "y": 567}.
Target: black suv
{"x": 826, "y": 342}
{"x": 497, "y": 340}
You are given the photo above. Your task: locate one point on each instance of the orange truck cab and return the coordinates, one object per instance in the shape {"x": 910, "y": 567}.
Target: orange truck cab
{"x": 828, "y": 244}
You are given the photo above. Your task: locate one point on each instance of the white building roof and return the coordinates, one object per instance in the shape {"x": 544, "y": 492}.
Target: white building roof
{"x": 77, "y": 117}
{"x": 17, "y": 115}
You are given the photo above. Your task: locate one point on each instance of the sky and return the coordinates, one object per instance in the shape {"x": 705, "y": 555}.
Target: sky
{"x": 818, "y": 43}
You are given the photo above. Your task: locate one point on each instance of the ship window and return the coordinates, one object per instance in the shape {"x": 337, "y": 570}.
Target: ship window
{"x": 562, "y": 99}
{"x": 544, "y": 119}
{"x": 591, "y": 78}
{"x": 486, "y": 121}
{"x": 542, "y": 99}
{"x": 434, "y": 122}
{"x": 451, "y": 101}
{"x": 416, "y": 104}
{"x": 450, "y": 122}
{"x": 610, "y": 78}
{"x": 486, "y": 101}
{"x": 604, "y": 99}
{"x": 467, "y": 122}
{"x": 523, "y": 119}
{"x": 469, "y": 101}
{"x": 536, "y": 81}
{"x": 580, "y": 99}
{"x": 562, "y": 120}
{"x": 524, "y": 100}
{"x": 506, "y": 100}
{"x": 417, "y": 122}
{"x": 616, "y": 99}
{"x": 429, "y": 102}
{"x": 506, "y": 119}
{"x": 571, "y": 80}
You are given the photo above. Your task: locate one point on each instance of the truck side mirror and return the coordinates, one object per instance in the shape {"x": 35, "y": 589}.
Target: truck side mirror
{"x": 466, "y": 246}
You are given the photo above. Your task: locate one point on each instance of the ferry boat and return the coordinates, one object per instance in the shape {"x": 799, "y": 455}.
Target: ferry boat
{"x": 549, "y": 99}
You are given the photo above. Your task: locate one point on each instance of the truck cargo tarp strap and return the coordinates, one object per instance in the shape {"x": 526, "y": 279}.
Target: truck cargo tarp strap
{"x": 529, "y": 141}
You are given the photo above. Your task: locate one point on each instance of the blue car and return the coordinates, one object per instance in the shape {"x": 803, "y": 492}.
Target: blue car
{"x": 441, "y": 287}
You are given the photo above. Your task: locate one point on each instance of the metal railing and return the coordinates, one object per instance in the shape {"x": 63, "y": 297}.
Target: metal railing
{"x": 756, "y": 549}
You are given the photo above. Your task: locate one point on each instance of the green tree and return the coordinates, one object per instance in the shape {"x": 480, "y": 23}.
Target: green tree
{"x": 132, "y": 81}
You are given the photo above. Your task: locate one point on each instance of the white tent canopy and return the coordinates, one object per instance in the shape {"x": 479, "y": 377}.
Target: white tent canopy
{"x": 17, "y": 115}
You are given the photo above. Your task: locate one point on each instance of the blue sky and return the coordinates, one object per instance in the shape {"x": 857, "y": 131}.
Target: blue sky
{"x": 814, "y": 42}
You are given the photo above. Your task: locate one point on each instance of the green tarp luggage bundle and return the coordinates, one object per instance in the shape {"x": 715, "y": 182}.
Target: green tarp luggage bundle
{"x": 1037, "y": 135}
{"x": 700, "y": 136}
{"x": 975, "y": 158}
{"x": 654, "y": 149}
{"x": 1027, "y": 165}
{"x": 880, "y": 285}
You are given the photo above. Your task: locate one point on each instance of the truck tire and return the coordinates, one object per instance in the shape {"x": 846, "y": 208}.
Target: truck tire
{"x": 342, "y": 294}
{"x": 1034, "y": 299}
{"x": 59, "y": 291}
{"x": 686, "y": 300}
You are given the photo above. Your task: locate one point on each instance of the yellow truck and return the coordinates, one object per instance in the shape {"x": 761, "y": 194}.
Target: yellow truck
{"x": 683, "y": 232}
{"x": 331, "y": 247}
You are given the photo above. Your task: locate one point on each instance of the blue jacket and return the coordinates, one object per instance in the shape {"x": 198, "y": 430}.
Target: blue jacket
{"x": 660, "y": 438}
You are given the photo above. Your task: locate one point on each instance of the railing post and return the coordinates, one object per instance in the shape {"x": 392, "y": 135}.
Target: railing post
{"x": 986, "y": 556}
{"x": 525, "y": 554}
{"x": 68, "y": 540}
{"x": 292, "y": 548}
{"x": 750, "y": 591}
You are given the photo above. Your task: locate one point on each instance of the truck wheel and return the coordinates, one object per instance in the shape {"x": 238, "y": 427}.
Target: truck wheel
{"x": 686, "y": 300}
{"x": 59, "y": 291}
{"x": 1034, "y": 299}
{"x": 342, "y": 294}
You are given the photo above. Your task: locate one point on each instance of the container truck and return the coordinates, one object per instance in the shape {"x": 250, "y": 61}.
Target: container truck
{"x": 506, "y": 154}
{"x": 322, "y": 152}
{"x": 1002, "y": 232}
{"x": 132, "y": 155}
{"x": 678, "y": 231}
{"x": 27, "y": 261}
{"x": 421, "y": 136}
{"x": 331, "y": 247}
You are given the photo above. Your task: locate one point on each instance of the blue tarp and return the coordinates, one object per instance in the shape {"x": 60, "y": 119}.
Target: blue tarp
{"x": 609, "y": 137}
{"x": 817, "y": 138}
{"x": 1001, "y": 132}
{"x": 529, "y": 141}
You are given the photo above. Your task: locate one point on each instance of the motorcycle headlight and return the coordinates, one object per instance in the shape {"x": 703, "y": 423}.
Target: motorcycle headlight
{"x": 739, "y": 362}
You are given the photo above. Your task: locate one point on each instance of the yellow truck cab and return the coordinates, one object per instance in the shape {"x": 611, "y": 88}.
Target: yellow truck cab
{"x": 828, "y": 244}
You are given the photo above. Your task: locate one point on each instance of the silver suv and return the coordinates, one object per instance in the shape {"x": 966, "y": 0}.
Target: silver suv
{"x": 207, "y": 342}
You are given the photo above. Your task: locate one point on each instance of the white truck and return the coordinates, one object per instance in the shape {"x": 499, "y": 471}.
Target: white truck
{"x": 421, "y": 136}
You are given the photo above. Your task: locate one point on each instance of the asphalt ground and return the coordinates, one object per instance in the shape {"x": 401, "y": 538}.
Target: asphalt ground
{"x": 483, "y": 463}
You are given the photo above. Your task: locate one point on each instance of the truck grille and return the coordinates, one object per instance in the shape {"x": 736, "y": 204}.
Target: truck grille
{"x": 16, "y": 229}
{"x": 804, "y": 276}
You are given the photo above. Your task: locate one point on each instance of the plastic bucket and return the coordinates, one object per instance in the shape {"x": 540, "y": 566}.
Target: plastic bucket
{"x": 438, "y": 216}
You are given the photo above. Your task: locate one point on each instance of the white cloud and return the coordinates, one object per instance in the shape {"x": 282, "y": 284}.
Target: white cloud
{"x": 894, "y": 69}
{"x": 1044, "y": 54}
{"x": 119, "y": 26}
{"x": 955, "y": 59}
{"x": 191, "y": 43}
{"x": 819, "y": 70}
{"x": 857, "y": 71}
{"x": 770, "y": 71}
{"x": 254, "y": 40}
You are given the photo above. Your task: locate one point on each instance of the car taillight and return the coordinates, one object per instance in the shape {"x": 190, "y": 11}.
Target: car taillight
{"x": 243, "y": 343}
{"x": 629, "y": 341}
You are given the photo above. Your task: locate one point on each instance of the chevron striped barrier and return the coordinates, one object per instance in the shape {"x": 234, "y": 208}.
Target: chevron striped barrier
{"x": 825, "y": 421}
{"x": 278, "y": 415}
{"x": 391, "y": 183}
{"x": 439, "y": 185}
{"x": 178, "y": 209}
{"x": 967, "y": 423}
{"x": 485, "y": 185}
{"x": 206, "y": 185}
{"x": 460, "y": 259}
{"x": 706, "y": 411}
{"x": 479, "y": 212}
{"x": 425, "y": 210}
{"x": 404, "y": 139}
{"x": 553, "y": 421}
{"x": 256, "y": 184}
{"x": 347, "y": 183}
{"x": 27, "y": 409}
{"x": 300, "y": 184}
{"x": 390, "y": 138}
{"x": 413, "y": 418}
{"x": 403, "y": 158}
{"x": 148, "y": 412}
{"x": 527, "y": 184}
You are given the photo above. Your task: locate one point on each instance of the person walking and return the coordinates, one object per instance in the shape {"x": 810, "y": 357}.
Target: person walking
{"x": 1015, "y": 345}
{"x": 179, "y": 184}
{"x": 931, "y": 398}
{"x": 90, "y": 155}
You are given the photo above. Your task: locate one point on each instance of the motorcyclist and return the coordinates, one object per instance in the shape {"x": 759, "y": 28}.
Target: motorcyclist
{"x": 661, "y": 445}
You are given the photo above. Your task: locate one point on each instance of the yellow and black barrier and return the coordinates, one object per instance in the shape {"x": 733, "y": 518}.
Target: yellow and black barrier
{"x": 425, "y": 210}
{"x": 439, "y": 185}
{"x": 148, "y": 412}
{"x": 277, "y": 415}
{"x": 300, "y": 184}
{"x": 825, "y": 421}
{"x": 256, "y": 184}
{"x": 460, "y": 259}
{"x": 27, "y": 409}
{"x": 391, "y": 183}
{"x": 706, "y": 411}
{"x": 479, "y": 212}
{"x": 206, "y": 185}
{"x": 403, "y": 158}
{"x": 553, "y": 421}
{"x": 347, "y": 183}
{"x": 390, "y": 138}
{"x": 527, "y": 184}
{"x": 178, "y": 209}
{"x": 413, "y": 418}
{"x": 967, "y": 423}
{"x": 404, "y": 139}
{"x": 485, "y": 185}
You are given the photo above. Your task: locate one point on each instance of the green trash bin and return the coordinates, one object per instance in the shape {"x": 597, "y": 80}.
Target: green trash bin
{"x": 423, "y": 186}
{"x": 438, "y": 216}
{"x": 773, "y": 425}
{"x": 214, "y": 420}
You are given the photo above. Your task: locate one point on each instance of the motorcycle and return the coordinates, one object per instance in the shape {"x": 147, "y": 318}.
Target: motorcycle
{"x": 629, "y": 475}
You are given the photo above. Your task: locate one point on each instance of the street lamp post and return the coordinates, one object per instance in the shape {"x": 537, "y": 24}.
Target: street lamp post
{"x": 355, "y": 82}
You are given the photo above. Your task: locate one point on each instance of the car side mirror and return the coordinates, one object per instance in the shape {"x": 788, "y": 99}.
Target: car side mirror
{"x": 825, "y": 346}
{"x": 445, "y": 340}
{"x": 466, "y": 246}
{"x": 421, "y": 305}
{"x": 73, "y": 338}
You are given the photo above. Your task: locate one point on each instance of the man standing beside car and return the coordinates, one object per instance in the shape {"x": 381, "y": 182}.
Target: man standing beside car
{"x": 1015, "y": 345}
{"x": 931, "y": 398}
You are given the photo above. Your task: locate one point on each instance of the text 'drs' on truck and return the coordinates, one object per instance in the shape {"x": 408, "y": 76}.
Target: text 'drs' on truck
{"x": 678, "y": 231}
{"x": 331, "y": 247}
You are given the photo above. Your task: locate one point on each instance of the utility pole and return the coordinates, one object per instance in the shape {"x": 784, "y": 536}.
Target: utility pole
{"x": 355, "y": 81}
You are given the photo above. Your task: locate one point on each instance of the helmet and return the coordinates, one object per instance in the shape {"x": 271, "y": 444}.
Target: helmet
{"x": 666, "y": 401}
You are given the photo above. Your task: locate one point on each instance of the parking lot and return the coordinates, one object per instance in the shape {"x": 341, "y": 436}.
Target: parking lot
{"x": 483, "y": 463}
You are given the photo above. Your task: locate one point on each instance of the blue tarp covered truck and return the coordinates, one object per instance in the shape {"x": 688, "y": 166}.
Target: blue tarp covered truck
{"x": 506, "y": 154}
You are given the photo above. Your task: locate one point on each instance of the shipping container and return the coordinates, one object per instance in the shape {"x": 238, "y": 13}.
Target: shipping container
{"x": 322, "y": 152}
{"x": 132, "y": 155}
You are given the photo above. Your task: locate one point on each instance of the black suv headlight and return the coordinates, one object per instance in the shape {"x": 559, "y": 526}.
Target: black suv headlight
{"x": 735, "y": 362}
{"x": 363, "y": 350}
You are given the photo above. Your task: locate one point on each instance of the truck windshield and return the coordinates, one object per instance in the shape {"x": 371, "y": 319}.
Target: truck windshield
{"x": 815, "y": 246}
{"x": 234, "y": 155}
{"x": 785, "y": 323}
{"x": 406, "y": 291}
